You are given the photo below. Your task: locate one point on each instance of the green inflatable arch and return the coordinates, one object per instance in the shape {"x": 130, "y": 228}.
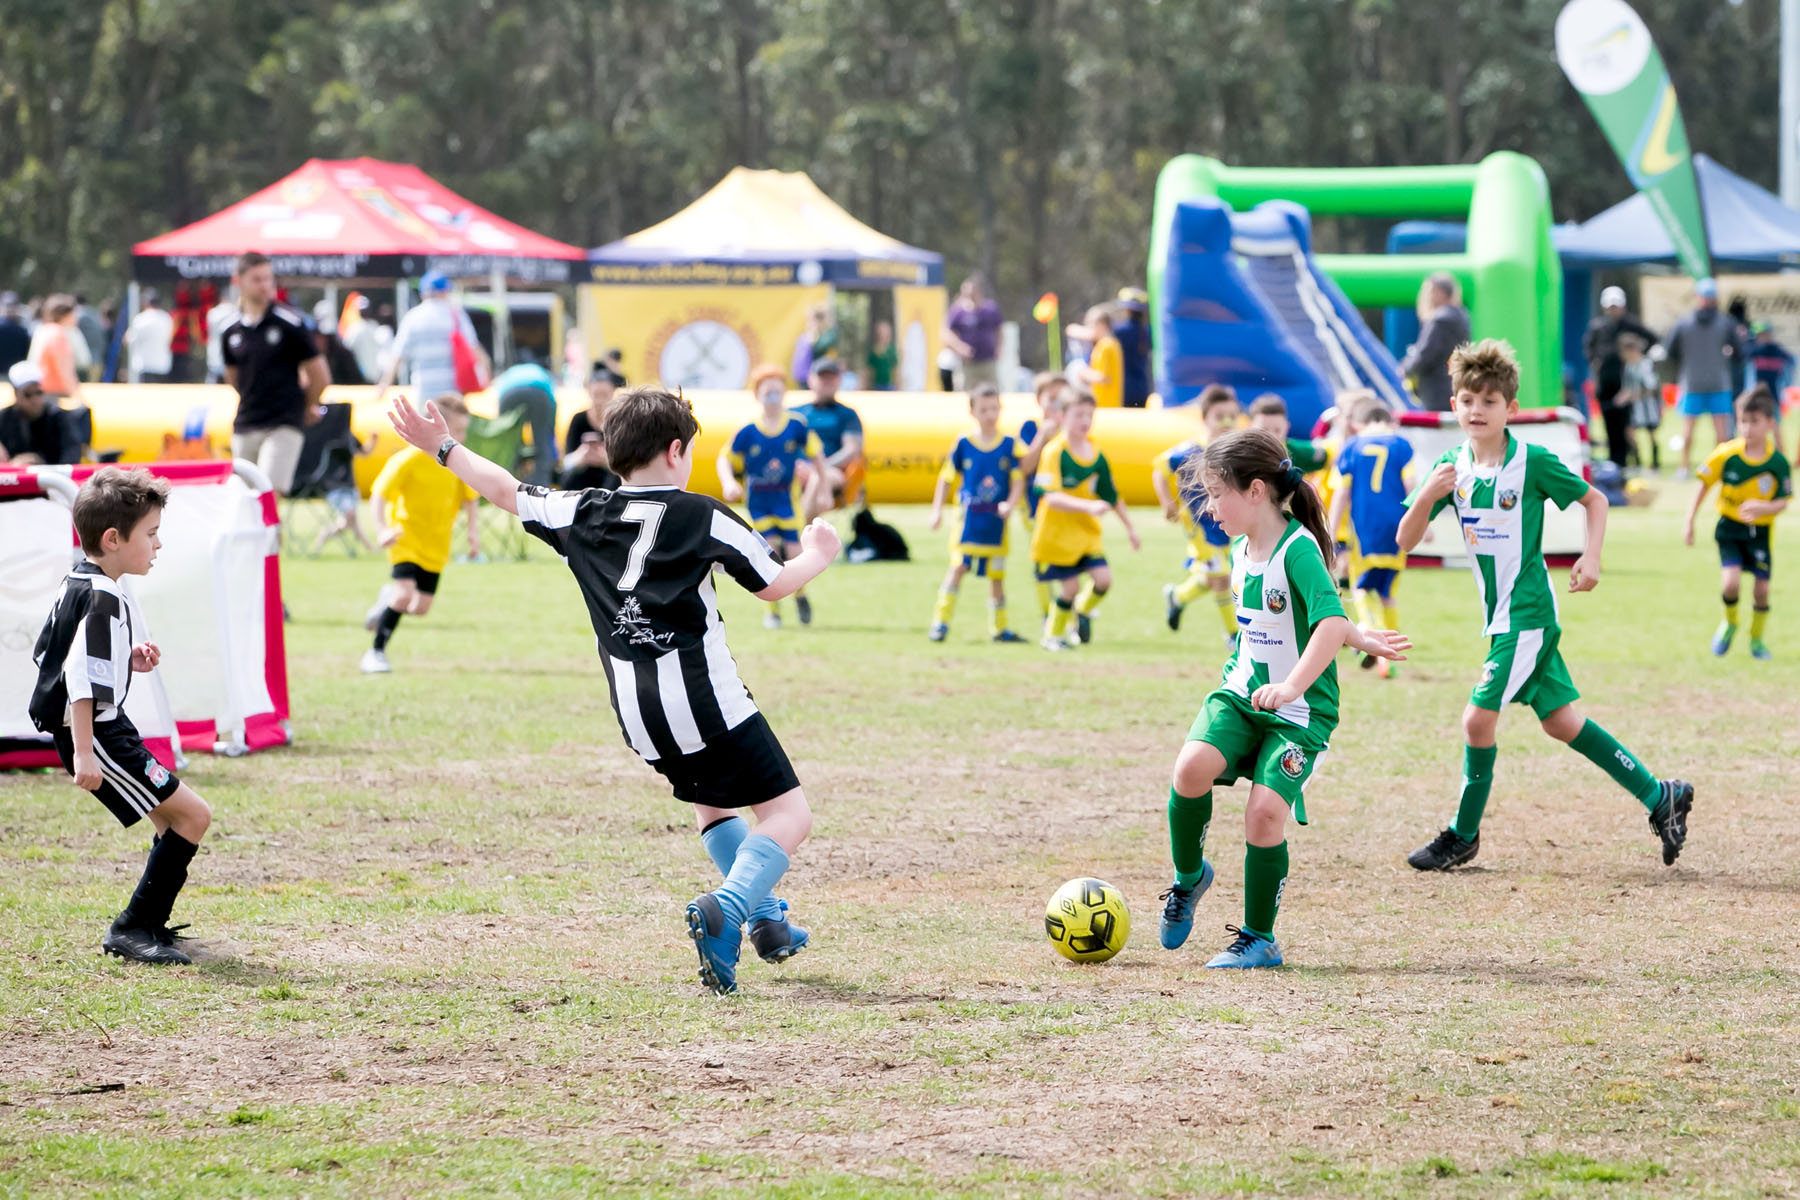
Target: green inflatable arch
{"x": 1510, "y": 274}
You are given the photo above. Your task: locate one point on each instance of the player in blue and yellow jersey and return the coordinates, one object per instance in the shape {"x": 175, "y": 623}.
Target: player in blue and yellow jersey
{"x": 1755, "y": 485}
{"x": 985, "y": 467}
{"x": 765, "y": 456}
{"x": 1209, "y": 551}
{"x": 1065, "y": 543}
{"x": 1343, "y": 428}
{"x": 1374, "y": 475}
{"x": 1052, "y": 390}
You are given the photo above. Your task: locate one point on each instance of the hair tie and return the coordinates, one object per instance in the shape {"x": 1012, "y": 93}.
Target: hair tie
{"x": 1291, "y": 477}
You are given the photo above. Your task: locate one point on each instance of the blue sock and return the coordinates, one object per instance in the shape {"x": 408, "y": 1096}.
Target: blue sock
{"x": 759, "y": 863}
{"x": 722, "y": 839}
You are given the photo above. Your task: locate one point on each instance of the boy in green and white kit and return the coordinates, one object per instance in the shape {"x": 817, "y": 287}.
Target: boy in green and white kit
{"x": 1498, "y": 486}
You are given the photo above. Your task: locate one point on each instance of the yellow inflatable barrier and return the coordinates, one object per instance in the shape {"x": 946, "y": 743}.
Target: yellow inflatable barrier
{"x": 906, "y": 435}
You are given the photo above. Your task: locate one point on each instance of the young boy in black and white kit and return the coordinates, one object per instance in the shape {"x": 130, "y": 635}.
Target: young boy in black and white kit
{"x": 644, "y": 555}
{"x": 85, "y": 657}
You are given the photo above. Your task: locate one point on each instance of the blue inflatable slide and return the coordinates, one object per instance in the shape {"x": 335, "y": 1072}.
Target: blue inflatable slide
{"x": 1245, "y": 304}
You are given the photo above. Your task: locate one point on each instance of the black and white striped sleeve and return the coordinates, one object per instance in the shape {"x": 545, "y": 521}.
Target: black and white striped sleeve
{"x": 91, "y": 670}
{"x": 740, "y": 550}
{"x": 548, "y": 514}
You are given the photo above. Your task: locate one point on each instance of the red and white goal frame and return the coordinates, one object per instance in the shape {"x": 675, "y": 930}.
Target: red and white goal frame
{"x": 212, "y": 603}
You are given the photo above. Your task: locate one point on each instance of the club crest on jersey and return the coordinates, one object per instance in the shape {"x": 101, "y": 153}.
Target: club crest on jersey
{"x": 156, "y": 773}
{"x": 1292, "y": 762}
{"x": 1509, "y": 500}
{"x": 634, "y": 627}
{"x": 1274, "y": 600}
{"x": 273, "y": 335}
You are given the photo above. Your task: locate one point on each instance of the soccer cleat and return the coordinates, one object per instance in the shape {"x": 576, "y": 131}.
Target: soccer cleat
{"x": 375, "y": 662}
{"x": 168, "y": 935}
{"x": 1721, "y": 639}
{"x": 778, "y": 941}
{"x": 1171, "y": 607}
{"x": 1368, "y": 662}
{"x": 142, "y": 945}
{"x": 1448, "y": 849}
{"x": 1759, "y": 650}
{"x": 1009, "y": 637}
{"x": 1084, "y": 629}
{"x": 772, "y": 620}
{"x": 1178, "y": 908}
{"x": 1055, "y": 643}
{"x": 939, "y": 631}
{"x": 803, "y": 609}
{"x": 1247, "y": 950}
{"x": 717, "y": 945}
{"x": 1669, "y": 819}
{"x": 373, "y": 617}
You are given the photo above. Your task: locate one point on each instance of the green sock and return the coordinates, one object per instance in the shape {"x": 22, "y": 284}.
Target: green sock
{"x": 1478, "y": 781}
{"x": 1603, "y": 750}
{"x": 1265, "y": 877}
{"x": 1189, "y": 817}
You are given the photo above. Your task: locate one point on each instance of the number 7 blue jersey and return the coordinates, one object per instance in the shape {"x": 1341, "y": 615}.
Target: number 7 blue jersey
{"x": 1375, "y": 465}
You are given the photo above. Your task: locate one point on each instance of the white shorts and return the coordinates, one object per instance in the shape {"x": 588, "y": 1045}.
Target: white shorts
{"x": 275, "y": 451}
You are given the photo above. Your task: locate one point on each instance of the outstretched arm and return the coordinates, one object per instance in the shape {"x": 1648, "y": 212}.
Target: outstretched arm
{"x": 1328, "y": 637}
{"x": 818, "y": 549}
{"x": 426, "y": 429}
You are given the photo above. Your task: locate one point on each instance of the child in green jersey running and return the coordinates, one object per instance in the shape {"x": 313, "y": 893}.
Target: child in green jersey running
{"x": 1272, "y": 716}
{"x": 1498, "y": 486}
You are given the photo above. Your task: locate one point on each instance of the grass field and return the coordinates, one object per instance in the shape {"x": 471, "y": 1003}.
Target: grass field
{"x": 447, "y": 954}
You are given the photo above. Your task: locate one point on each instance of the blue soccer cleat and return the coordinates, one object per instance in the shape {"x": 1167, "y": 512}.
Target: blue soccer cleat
{"x": 1171, "y": 607}
{"x": 1759, "y": 650}
{"x": 778, "y": 941}
{"x": 939, "y": 631}
{"x": 1721, "y": 639}
{"x": 1009, "y": 638}
{"x": 1248, "y": 950}
{"x": 717, "y": 944}
{"x": 1178, "y": 908}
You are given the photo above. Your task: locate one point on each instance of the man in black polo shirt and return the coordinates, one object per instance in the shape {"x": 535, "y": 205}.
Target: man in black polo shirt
{"x": 33, "y": 430}
{"x": 273, "y": 361}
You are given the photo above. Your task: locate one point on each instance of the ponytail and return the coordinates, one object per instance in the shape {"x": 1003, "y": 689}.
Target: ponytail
{"x": 1244, "y": 456}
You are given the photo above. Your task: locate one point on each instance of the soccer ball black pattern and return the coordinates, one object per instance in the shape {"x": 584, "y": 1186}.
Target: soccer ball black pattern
{"x": 1087, "y": 921}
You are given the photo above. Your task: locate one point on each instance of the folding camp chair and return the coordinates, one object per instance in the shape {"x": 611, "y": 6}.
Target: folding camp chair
{"x": 326, "y": 462}
{"x": 501, "y": 440}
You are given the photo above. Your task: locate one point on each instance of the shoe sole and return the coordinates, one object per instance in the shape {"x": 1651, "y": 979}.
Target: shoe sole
{"x": 1243, "y": 966}
{"x": 786, "y": 952}
{"x": 175, "y": 958}
{"x": 697, "y": 933}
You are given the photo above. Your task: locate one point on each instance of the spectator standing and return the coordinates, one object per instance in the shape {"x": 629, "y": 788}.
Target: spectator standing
{"x": 217, "y": 318}
{"x": 53, "y": 350}
{"x": 584, "y": 446}
{"x": 32, "y": 429}
{"x": 424, "y": 343}
{"x": 972, "y": 331}
{"x": 1444, "y": 325}
{"x": 15, "y": 339}
{"x": 1606, "y": 363}
{"x": 818, "y": 339}
{"x": 1133, "y": 331}
{"x": 1105, "y": 370}
{"x": 148, "y": 341}
{"x": 883, "y": 359}
{"x": 840, "y": 437}
{"x": 1770, "y": 360}
{"x": 273, "y": 362}
{"x": 1700, "y": 349}
{"x": 188, "y": 316}
{"x": 532, "y": 388}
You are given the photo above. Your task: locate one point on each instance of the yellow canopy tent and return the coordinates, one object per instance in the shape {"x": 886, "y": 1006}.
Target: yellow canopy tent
{"x": 698, "y": 299}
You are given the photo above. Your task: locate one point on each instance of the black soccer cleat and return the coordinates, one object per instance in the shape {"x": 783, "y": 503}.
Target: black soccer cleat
{"x": 1448, "y": 849}
{"x": 142, "y": 945}
{"x": 803, "y": 607}
{"x": 778, "y": 941}
{"x": 1670, "y": 817}
{"x": 1084, "y": 629}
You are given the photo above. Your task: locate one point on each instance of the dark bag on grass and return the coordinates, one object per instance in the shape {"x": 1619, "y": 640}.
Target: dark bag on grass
{"x": 875, "y": 541}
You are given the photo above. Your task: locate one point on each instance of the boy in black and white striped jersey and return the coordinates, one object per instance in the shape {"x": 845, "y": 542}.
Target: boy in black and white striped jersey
{"x": 644, "y": 555}
{"x": 85, "y": 657}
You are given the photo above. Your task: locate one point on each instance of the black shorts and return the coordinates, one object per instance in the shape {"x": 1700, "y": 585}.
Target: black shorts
{"x": 426, "y": 580}
{"x": 132, "y": 782}
{"x": 1745, "y": 546}
{"x": 747, "y": 766}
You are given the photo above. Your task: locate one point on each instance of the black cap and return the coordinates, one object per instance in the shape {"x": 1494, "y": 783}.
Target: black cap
{"x": 827, "y": 366}
{"x": 602, "y": 371}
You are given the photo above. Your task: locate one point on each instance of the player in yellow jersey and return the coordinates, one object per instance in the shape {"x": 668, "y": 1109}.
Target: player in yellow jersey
{"x": 1065, "y": 544}
{"x": 1754, "y": 488}
{"x": 415, "y": 508}
{"x": 1209, "y": 550}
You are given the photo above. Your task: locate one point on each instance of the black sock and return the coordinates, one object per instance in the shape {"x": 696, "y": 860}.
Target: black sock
{"x": 164, "y": 873}
{"x": 384, "y": 628}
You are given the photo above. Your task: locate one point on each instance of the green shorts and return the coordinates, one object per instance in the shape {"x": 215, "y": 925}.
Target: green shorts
{"x": 1525, "y": 668}
{"x": 1260, "y": 746}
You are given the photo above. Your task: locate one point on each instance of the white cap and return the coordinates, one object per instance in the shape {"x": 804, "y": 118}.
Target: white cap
{"x": 1612, "y": 297}
{"x": 23, "y": 374}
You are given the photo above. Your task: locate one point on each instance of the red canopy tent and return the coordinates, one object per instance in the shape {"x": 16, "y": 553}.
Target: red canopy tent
{"x": 358, "y": 218}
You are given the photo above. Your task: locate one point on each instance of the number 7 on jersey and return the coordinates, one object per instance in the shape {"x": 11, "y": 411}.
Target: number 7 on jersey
{"x": 647, "y": 515}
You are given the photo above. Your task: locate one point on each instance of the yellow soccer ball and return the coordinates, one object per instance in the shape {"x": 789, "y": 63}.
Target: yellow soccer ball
{"x": 1087, "y": 920}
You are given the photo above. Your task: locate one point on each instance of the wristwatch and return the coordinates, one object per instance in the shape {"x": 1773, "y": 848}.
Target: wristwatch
{"x": 443, "y": 450}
